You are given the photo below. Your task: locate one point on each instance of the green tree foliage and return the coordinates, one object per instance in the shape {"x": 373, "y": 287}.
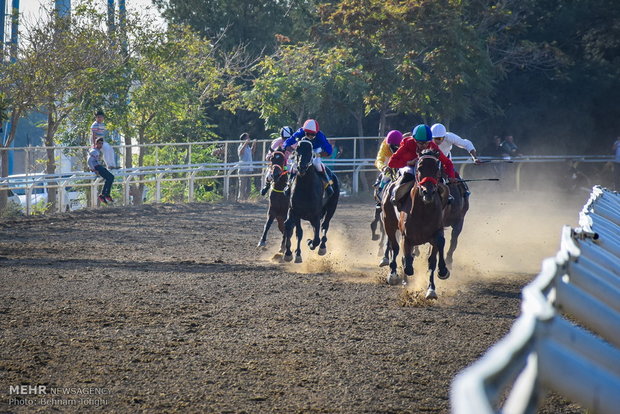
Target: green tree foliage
{"x": 255, "y": 23}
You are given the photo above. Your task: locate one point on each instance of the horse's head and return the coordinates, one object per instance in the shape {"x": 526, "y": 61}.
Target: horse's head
{"x": 427, "y": 173}
{"x": 277, "y": 165}
{"x": 303, "y": 156}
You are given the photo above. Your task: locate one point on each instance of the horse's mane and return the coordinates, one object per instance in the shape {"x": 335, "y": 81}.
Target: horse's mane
{"x": 431, "y": 152}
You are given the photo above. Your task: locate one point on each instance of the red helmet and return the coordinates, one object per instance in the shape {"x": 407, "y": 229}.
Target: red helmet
{"x": 311, "y": 126}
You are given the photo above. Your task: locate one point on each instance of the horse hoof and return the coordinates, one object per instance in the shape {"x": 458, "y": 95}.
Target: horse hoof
{"x": 449, "y": 260}
{"x": 409, "y": 271}
{"x": 384, "y": 262}
{"x": 322, "y": 251}
{"x": 288, "y": 257}
{"x": 375, "y": 237}
{"x": 311, "y": 245}
{"x": 261, "y": 243}
{"x": 298, "y": 259}
{"x": 393, "y": 279}
{"x": 430, "y": 294}
{"x": 282, "y": 250}
{"x": 443, "y": 275}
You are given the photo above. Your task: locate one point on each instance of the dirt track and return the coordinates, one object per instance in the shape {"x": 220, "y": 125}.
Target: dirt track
{"x": 171, "y": 308}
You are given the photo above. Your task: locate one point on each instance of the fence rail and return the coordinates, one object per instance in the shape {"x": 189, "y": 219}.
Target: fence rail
{"x": 544, "y": 350}
{"x": 177, "y": 162}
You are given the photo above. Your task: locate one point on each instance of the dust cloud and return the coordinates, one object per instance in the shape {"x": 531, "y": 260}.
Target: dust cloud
{"x": 506, "y": 235}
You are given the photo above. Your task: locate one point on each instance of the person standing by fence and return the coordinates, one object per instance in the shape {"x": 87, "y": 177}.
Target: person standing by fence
{"x": 98, "y": 130}
{"x": 245, "y": 152}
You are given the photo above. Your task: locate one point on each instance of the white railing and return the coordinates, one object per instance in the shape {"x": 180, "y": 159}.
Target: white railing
{"x": 185, "y": 169}
{"x": 545, "y": 351}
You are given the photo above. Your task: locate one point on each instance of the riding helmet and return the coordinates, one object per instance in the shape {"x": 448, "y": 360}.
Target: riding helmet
{"x": 286, "y": 132}
{"x": 422, "y": 133}
{"x": 438, "y": 130}
{"x": 311, "y": 126}
{"x": 394, "y": 137}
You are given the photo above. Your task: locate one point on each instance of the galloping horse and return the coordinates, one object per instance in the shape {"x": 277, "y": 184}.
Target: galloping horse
{"x": 278, "y": 199}
{"x": 308, "y": 203}
{"x": 454, "y": 216}
{"x": 420, "y": 221}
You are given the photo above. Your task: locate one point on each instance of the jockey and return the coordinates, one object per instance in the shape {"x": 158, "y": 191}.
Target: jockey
{"x": 388, "y": 147}
{"x": 407, "y": 155}
{"x": 311, "y": 131}
{"x": 277, "y": 145}
{"x": 445, "y": 140}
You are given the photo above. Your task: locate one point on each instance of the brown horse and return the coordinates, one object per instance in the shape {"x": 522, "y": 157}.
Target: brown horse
{"x": 419, "y": 222}
{"x": 278, "y": 200}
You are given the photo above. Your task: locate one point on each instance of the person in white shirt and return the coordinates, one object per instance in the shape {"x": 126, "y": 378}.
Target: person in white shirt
{"x": 445, "y": 140}
{"x": 98, "y": 130}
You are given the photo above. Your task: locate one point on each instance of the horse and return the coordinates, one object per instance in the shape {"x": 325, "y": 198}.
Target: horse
{"x": 308, "y": 203}
{"x": 419, "y": 222}
{"x": 454, "y": 216}
{"x": 377, "y": 222}
{"x": 278, "y": 198}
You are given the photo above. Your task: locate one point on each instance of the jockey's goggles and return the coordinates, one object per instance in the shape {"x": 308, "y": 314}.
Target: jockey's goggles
{"x": 310, "y": 135}
{"x": 438, "y": 138}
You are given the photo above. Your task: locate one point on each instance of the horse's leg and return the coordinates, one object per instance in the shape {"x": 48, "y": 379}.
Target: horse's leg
{"x": 454, "y": 240}
{"x": 300, "y": 235}
{"x": 263, "y": 239}
{"x": 375, "y": 221}
{"x": 316, "y": 239}
{"x": 283, "y": 231}
{"x": 408, "y": 258}
{"x": 330, "y": 209}
{"x": 440, "y": 240}
{"x": 432, "y": 264}
{"x": 289, "y": 224}
{"x": 386, "y": 255}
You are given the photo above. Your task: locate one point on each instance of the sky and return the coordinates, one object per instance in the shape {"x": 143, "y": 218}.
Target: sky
{"x": 33, "y": 7}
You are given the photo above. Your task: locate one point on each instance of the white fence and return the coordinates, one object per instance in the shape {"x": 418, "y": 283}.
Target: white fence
{"x": 185, "y": 163}
{"x": 544, "y": 350}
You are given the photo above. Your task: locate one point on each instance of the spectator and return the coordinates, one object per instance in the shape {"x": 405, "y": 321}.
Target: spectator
{"x": 616, "y": 149}
{"x": 93, "y": 163}
{"x": 493, "y": 148}
{"x": 245, "y": 152}
{"x": 98, "y": 130}
{"x": 509, "y": 148}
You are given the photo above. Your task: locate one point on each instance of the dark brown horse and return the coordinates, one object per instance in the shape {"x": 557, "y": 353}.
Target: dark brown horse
{"x": 419, "y": 222}
{"x": 278, "y": 200}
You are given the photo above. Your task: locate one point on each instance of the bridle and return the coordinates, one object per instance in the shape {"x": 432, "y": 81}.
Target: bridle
{"x": 422, "y": 181}
{"x": 301, "y": 168}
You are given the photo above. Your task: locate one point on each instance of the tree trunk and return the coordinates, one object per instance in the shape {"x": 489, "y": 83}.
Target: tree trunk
{"x": 51, "y": 160}
{"x": 15, "y": 115}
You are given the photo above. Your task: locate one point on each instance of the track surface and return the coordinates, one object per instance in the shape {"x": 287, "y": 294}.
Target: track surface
{"x": 172, "y": 308}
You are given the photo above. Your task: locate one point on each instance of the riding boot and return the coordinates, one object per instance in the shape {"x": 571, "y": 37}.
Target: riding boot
{"x": 327, "y": 184}
{"x": 466, "y": 193}
{"x": 395, "y": 197}
{"x": 446, "y": 197}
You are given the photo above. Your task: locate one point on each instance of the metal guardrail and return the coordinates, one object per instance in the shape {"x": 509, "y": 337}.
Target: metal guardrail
{"x": 226, "y": 170}
{"x": 544, "y": 350}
